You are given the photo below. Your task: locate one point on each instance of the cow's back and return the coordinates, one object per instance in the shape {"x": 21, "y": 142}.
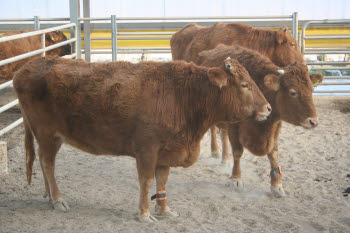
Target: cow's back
{"x": 182, "y": 40}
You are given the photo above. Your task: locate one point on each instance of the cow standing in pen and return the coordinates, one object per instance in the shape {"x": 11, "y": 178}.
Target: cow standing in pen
{"x": 288, "y": 90}
{"x": 21, "y": 46}
{"x": 279, "y": 46}
{"x": 155, "y": 112}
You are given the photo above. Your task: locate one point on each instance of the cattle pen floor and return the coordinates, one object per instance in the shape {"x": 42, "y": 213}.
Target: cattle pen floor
{"x": 103, "y": 191}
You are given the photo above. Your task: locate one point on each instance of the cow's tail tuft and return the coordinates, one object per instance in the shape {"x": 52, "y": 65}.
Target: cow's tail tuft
{"x": 30, "y": 151}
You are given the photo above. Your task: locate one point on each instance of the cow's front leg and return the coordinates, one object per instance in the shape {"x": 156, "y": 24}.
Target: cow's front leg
{"x": 162, "y": 208}
{"x": 146, "y": 169}
{"x": 276, "y": 173}
{"x": 237, "y": 152}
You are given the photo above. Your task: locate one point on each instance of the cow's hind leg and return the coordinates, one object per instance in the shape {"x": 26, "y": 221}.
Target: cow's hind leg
{"x": 276, "y": 173}
{"x": 48, "y": 148}
{"x": 215, "y": 151}
{"x": 225, "y": 146}
{"x": 162, "y": 208}
{"x": 237, "y": 152}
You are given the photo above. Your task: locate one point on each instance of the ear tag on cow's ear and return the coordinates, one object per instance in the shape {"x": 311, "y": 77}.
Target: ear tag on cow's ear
{"x": 316, "y": 83}
{"x": 52, "y": 38}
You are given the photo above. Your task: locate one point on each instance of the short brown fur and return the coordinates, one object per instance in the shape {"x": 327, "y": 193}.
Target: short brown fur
{"x": 280, "y": 46}
{"x": 154, "y": 112}
{"x": 261, "y": 138}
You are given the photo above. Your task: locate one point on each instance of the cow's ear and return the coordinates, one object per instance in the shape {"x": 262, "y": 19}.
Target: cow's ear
{"x": 316, "y": 79}
{"x": 217, "y": 77}
{"x": 281, "y": 35}
{"x": 50, "y": 37}
{"x": 272, "y": 82}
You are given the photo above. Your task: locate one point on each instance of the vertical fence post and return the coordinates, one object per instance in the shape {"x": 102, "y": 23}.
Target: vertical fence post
{"x": 87, "y": 36}
{"x": 114, "y": 37}
{"x": 36, "y": 23}
{"x": 3, "y": 158}
{"x": 74, "y": 13}
{"x": 295, "y": 26}
{"x": 43, "y": 44}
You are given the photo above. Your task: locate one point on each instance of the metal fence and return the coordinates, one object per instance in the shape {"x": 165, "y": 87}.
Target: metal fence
{"x": 41, "y": 51}
{"x": 164, "y": 23}
{"x": 334, "y": 81}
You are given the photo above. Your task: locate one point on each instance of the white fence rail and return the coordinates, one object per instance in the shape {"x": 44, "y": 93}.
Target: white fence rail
{"x": 41, "y": 51}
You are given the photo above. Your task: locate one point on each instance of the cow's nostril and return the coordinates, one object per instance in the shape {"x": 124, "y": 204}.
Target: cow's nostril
{"x": 269, "y": 109}
{"x": 313, "y": 122}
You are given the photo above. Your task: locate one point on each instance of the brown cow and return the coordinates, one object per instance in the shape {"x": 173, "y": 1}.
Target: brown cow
{"x": 280, "y": 46}
{"x": 154, "y": 112}
{"x": 288, "y": 90}
{"x": 20, "y": 46}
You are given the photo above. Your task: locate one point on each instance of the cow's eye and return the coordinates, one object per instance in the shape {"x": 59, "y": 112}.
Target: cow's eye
{"x": 228, "y": 66}
{"x": 293, "y": 93}
{"x": 292, "y": 44}
{"x": 244, "y": 85}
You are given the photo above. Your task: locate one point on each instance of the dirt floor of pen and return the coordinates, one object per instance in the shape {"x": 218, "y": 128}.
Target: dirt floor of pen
{"x": 103, "y": 191}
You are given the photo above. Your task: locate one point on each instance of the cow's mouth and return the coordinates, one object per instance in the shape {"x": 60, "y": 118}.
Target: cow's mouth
{"x": 260, "y": 117}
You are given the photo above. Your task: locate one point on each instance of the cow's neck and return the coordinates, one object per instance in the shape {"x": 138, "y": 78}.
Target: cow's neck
{"x": 255, "y": 42}
{"x": 199, "y": 99}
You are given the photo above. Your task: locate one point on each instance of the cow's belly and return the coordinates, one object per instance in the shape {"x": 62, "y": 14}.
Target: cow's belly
{"x": 179, "y": 155}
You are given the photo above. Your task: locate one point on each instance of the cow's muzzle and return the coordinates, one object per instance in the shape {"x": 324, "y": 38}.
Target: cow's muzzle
{"x": 310, "y": 122}
{"x": 263, "y": 113}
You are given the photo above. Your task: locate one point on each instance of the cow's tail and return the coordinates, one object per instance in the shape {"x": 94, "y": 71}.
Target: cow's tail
{"x": 30, "y": 151}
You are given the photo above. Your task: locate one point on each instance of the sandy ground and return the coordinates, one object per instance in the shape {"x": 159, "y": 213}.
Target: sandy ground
{"x": 103, "y": 191}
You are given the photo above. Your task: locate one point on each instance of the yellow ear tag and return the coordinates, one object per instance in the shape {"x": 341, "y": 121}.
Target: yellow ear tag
{"x": 316, "y": 83}
{"x": 52, "y": 38}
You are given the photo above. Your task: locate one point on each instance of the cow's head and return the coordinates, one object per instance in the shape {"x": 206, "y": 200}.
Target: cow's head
{"x": 56, "y": 37}
{"x": 240, "y": 97}
{"x": 286, "y": 50}
{"x": 293, "y": 89}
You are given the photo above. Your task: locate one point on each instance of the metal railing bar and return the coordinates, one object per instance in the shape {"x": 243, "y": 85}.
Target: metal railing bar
{"x": 338, "y": 91}
{"x": 330, "y": 68}
{"x": 11, "y": 126}
{"x": 34, "y": 33}
{"x": 327, "y": 63}
{"x": 337, "y": 77}
{"x": 189, "y": 18}
{"x": 36, "y": 52}
{"x": 4, "y": 85}
{"x": 137, "y": 48}
{"x": 326, "y": 52}
{"x": 16, "y": 19}
{"x": 73, "y": 55}
{"x": 133, "y": 38}
{"x": 145, "y": 33}
{"x": 327, "y": 37}
{"x": 334, "y": 83}
{"x": 9, "y": 105}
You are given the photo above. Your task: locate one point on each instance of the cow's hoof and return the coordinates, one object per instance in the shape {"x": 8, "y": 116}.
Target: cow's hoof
{"x": 215, "y": 154}
{"x": 278, "y": 191}
{"x": 168, "y": 213}
{"x": 147, "y": 218}
{"x": 61, "y": 205}
{"x": 238, "y": 185}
